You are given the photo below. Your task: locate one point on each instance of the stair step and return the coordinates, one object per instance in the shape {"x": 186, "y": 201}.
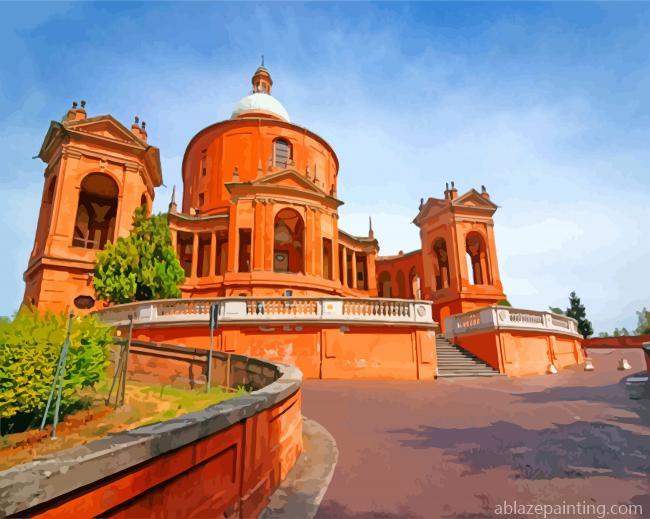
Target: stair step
{"x": 454, "y": 361}
{"x": 458, "y": 375}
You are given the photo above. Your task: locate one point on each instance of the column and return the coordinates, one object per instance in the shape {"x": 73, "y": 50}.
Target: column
{"x": 258, "y": 236}
{"x": 233, "y": 241}
{"x": 354, "y": 269}
{"x": 344, "y": 251}
{"x": 485, "y": 275}
{"x": 269, "y": 235}
{"x": 309, "y": 241}
{"x": 335, "y": 248}
{"x": 195, "y": 253}
{"x": 213, "y": 253}
{"x": 174, "y": 236}
{"x": 371, "y": 273}
{"x": 318, "y": 245}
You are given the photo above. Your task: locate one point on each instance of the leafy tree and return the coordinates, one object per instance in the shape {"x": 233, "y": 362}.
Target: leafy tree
{"x": 643, "y": 324}
{"x": 556, "y": 310}
{"x": 504, "y": 302}
{"x": 621, "y": 333}
{"x": 140, "y": 267}
{"x": 30, "y": 346}
{"x": 577, "y": 311}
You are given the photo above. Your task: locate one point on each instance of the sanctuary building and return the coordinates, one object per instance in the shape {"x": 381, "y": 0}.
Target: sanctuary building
{"x": 256, "y": 229}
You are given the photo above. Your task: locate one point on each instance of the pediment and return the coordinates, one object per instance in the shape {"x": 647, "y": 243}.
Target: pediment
{"x": 105, "y": 127}
{"x": 290, "y": 178}
{"x": 473, "y": 199}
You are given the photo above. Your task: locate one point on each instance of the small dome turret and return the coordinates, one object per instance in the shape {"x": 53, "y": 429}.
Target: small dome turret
{"x": 260, "y": 103}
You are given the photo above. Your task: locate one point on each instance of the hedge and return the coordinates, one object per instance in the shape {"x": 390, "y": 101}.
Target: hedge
{"x": 30, "y": 346}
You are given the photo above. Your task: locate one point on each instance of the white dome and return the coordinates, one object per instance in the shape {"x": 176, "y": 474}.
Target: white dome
{"x": 260, "y": 102}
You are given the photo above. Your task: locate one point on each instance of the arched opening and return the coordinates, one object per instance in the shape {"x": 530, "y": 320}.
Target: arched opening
{"x": 414, "y": 284}
{"x": 49, "y": 198}
{"x": 441, "y": 264}
{"x": 45, "y": 215}
{"x": 96, "y": 211}
{"x": 401, "y": 284}
{"x": 144, "y": 202}
{"x": 384, "y": 284}
{"x": 288, "y": 242}
{"x": 477, "y": 259}
{"x": 282, "y": 153}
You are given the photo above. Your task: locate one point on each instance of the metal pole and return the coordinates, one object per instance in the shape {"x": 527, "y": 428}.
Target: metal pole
{"x": 117, "y": 373}
{"x": 126, "y": 359}
{"x": 49, "y": 398}
{"x": 214, "y": 317}
{"x": 64, "y": 354}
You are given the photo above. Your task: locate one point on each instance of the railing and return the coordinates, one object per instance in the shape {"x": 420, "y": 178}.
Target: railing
{"x": 501, "y": 317}
{"x": 269, "y": 309}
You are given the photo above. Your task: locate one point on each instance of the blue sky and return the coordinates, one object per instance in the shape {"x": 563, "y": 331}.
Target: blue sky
{"x": 548, "y": 105}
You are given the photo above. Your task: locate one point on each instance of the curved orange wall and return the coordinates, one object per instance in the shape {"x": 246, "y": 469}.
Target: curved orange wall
{"x": 247, "y": 144}
{"x": 403, "y": 263}
{"x": 228, "y": 474}
{"x": 331, "y": 351}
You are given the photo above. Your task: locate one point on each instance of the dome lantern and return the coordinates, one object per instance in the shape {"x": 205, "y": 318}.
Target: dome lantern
{"x": 261, "y": 80}
{"x": 260, "y": 103}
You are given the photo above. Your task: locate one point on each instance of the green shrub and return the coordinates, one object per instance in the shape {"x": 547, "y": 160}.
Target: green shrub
{"x": 30, "y": 346}
{"x": 504, "y": 302}
{"x": 140, "y": 267}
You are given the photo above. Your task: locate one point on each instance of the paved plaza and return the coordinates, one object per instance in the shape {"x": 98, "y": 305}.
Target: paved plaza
{"x": 458, "y": 448}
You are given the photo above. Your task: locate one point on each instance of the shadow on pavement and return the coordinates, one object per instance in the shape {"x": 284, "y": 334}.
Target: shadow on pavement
{"x": 577, "y": 450}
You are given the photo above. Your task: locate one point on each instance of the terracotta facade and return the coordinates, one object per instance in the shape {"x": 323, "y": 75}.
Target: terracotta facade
{"x": 98, "y": 172}
{"x": 457, "y": 266}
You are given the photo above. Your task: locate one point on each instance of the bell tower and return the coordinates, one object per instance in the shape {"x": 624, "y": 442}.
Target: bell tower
{"x": 459, "y": 256}
{"x": 97, "y": 173}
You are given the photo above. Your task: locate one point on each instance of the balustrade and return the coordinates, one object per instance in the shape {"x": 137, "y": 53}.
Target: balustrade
{"x": 497, "y": 317}
{"x": 273, "y": 309}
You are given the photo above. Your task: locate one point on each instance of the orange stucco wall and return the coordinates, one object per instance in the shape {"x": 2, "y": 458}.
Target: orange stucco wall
{"x": 228, "y": 474}
{"x": 522, "y": 352}
{"x": 625, "y": 341}
{"x": 390, "y": 269}
{"x": 329, "y": 351}
{"x": 247, "y": 144}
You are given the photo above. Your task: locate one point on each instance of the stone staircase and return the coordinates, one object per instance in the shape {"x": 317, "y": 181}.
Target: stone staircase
{"x": 454, "y": 361}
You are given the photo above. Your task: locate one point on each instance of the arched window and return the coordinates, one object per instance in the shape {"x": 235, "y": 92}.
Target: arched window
{"x": 401, "y": 284}
{"x": 282, "y": 153}
{"x": 95, "y": 221}
{"x": 384, "y": 284}
{"x": 288, "y": 242}
{"x": 441, "y": 264}
{"x": 477, "y": 259}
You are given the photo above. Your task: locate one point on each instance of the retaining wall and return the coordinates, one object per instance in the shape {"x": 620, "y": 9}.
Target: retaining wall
{"x": 625, "y": 341}
{"x": 223, "y": 461}
{"x": 517, "y": 353}
{"x": 319, "y": 351}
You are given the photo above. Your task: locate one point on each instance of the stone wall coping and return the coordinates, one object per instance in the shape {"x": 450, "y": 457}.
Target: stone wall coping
{"x": 52, "y": 476}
